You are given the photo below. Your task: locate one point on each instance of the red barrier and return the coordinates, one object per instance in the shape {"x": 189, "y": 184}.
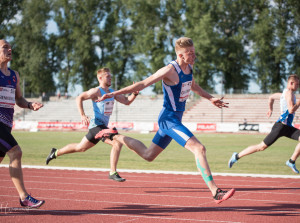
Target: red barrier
{"x": 60, "y": 126}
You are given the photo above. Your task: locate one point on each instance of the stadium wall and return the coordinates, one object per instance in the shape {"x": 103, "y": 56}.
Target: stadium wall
{"x": 145, "y": 126}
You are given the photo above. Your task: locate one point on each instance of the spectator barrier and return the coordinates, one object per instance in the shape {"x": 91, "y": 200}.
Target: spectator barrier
{"x": 146, "y": 126}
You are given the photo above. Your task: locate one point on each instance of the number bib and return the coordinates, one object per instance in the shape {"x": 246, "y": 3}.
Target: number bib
{"x": 7, "y": 97}
{"x": 108, "y": 108}
{"x": 185, "y": 91}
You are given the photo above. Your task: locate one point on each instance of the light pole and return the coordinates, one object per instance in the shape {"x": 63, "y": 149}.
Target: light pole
{"x": 222, "y": 91}
{"x": 24, "y": 97}
{"x": 116, "y": 88}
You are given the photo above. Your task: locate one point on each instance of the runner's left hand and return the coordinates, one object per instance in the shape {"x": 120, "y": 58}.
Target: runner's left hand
{"x": 219, "y": 102}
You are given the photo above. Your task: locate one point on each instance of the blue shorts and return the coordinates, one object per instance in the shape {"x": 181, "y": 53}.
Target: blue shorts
{"x": 171, "y": 127}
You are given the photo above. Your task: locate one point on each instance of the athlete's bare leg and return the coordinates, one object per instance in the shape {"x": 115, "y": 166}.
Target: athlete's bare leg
{"x": 15, "y": 170}
{"x": 253, "y": 149}
{"x": 137, "y": 146}
{"x": 114, "y": 153}
{"x": 199, "y": 151}
{"x": 296, "y": 152}
{"x": 76, "y": 147}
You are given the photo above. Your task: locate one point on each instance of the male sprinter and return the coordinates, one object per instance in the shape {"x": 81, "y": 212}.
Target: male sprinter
{"x": 282, "y": 127}
{"x": 102, "y": 112}
{"x": 11, "y": 94}
{"x": 177, "y": 80}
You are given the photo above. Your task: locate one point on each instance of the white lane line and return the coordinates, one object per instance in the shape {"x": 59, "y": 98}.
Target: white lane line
{"x": 156, "y": 171}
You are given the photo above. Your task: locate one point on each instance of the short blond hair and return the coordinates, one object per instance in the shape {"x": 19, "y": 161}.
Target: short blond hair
{"x": 103, "y": 70}
{"x": 182, "y": 43}
{"x": 293, "y": 77}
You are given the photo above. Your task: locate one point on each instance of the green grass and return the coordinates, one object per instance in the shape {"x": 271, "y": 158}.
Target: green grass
{"x": 36, "y": 146}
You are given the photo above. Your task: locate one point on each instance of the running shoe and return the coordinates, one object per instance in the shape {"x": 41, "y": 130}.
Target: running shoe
{"x": 31, "y": 202}
{"x": 51, "y": 156}
{"x": 107, "y": 133}
{"x": 292, "y": 166}
{"x": 115, "y": 176}
{"x": 223, "y": 195}
{"x": 232, "y": 160}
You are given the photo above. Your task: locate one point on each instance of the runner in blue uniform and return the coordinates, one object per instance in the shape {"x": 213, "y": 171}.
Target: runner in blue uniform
{"x": 282, "y": 127}
{"x": 102, "y": 113}
{"x": 10, "y": 94}
{"x": 177, "y": 79}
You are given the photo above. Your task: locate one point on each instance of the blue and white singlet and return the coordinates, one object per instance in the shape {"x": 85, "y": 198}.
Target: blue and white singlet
{"x": 175, "y": 96}
{"x": 7, "y": 97}
{"x": 102, "y": 110}
{"x": 285, "y": 116}
{"x": 170, "y": 117}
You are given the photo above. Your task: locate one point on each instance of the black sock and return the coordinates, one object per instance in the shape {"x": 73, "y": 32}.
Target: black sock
{"x": 237, "y": 156}
{"x": 292, "y": 161}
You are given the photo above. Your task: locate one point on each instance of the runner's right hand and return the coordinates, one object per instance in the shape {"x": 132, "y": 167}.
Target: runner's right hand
{"x": 105, "y": 96}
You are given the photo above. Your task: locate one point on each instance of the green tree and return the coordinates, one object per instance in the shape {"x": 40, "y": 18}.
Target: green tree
{"x": 219, "y": 29}
{"x": 8, "y": 10}
{"x": 63, "y": 13}
{"x": 31, "y": 46}
{"x": 270, "y": 35}
{"x": 77, "y": 23}
{"x": 156, "y": 24}
{"x": 88, "y": 15}
{"x": 115, "y": 43}
{"x": 234, "y": 40}
{"x": 294, "y": 40}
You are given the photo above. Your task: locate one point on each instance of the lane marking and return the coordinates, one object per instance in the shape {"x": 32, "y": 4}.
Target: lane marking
{"x": 155, "y": 171}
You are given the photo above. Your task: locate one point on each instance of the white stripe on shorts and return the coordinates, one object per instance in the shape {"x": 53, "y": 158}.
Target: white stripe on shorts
{"x": 182, "y": 134}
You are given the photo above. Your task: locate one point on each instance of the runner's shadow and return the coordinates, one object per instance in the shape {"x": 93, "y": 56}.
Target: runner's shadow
{"x": 283, "y": 209}
{"x": 268, "y": 189}
{"x": 162, "y": 211}
{"x": 158, "y": 190}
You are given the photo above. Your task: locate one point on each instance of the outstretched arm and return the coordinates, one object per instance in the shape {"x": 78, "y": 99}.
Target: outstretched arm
{"x": 126, "y": 100}
{"x": 215, "y": 101}
{"x": 157, "y": 76}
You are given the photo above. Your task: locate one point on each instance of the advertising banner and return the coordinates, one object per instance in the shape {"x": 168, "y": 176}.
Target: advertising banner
{"x": 248, "y": 127}
{"x": 206, "y": 127}
{"x": 60, "y": 126}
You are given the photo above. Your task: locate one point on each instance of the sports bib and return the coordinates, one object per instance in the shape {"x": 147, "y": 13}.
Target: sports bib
{"x": 185, "y": 91}
{"x": 7, "y": 97}
{"x": 108, "y": 108}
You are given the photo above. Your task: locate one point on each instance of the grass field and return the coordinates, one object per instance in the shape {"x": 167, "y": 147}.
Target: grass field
{"x": 37, "y": 145}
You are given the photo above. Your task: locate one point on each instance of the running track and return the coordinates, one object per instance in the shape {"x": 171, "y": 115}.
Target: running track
{"x": 88, "y": 196}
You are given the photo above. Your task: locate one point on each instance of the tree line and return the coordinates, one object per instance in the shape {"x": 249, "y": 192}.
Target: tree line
{"x": 236, "y": 41}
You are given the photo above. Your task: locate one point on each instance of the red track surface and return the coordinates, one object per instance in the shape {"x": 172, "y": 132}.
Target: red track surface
{"x": 88, "y": 196}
